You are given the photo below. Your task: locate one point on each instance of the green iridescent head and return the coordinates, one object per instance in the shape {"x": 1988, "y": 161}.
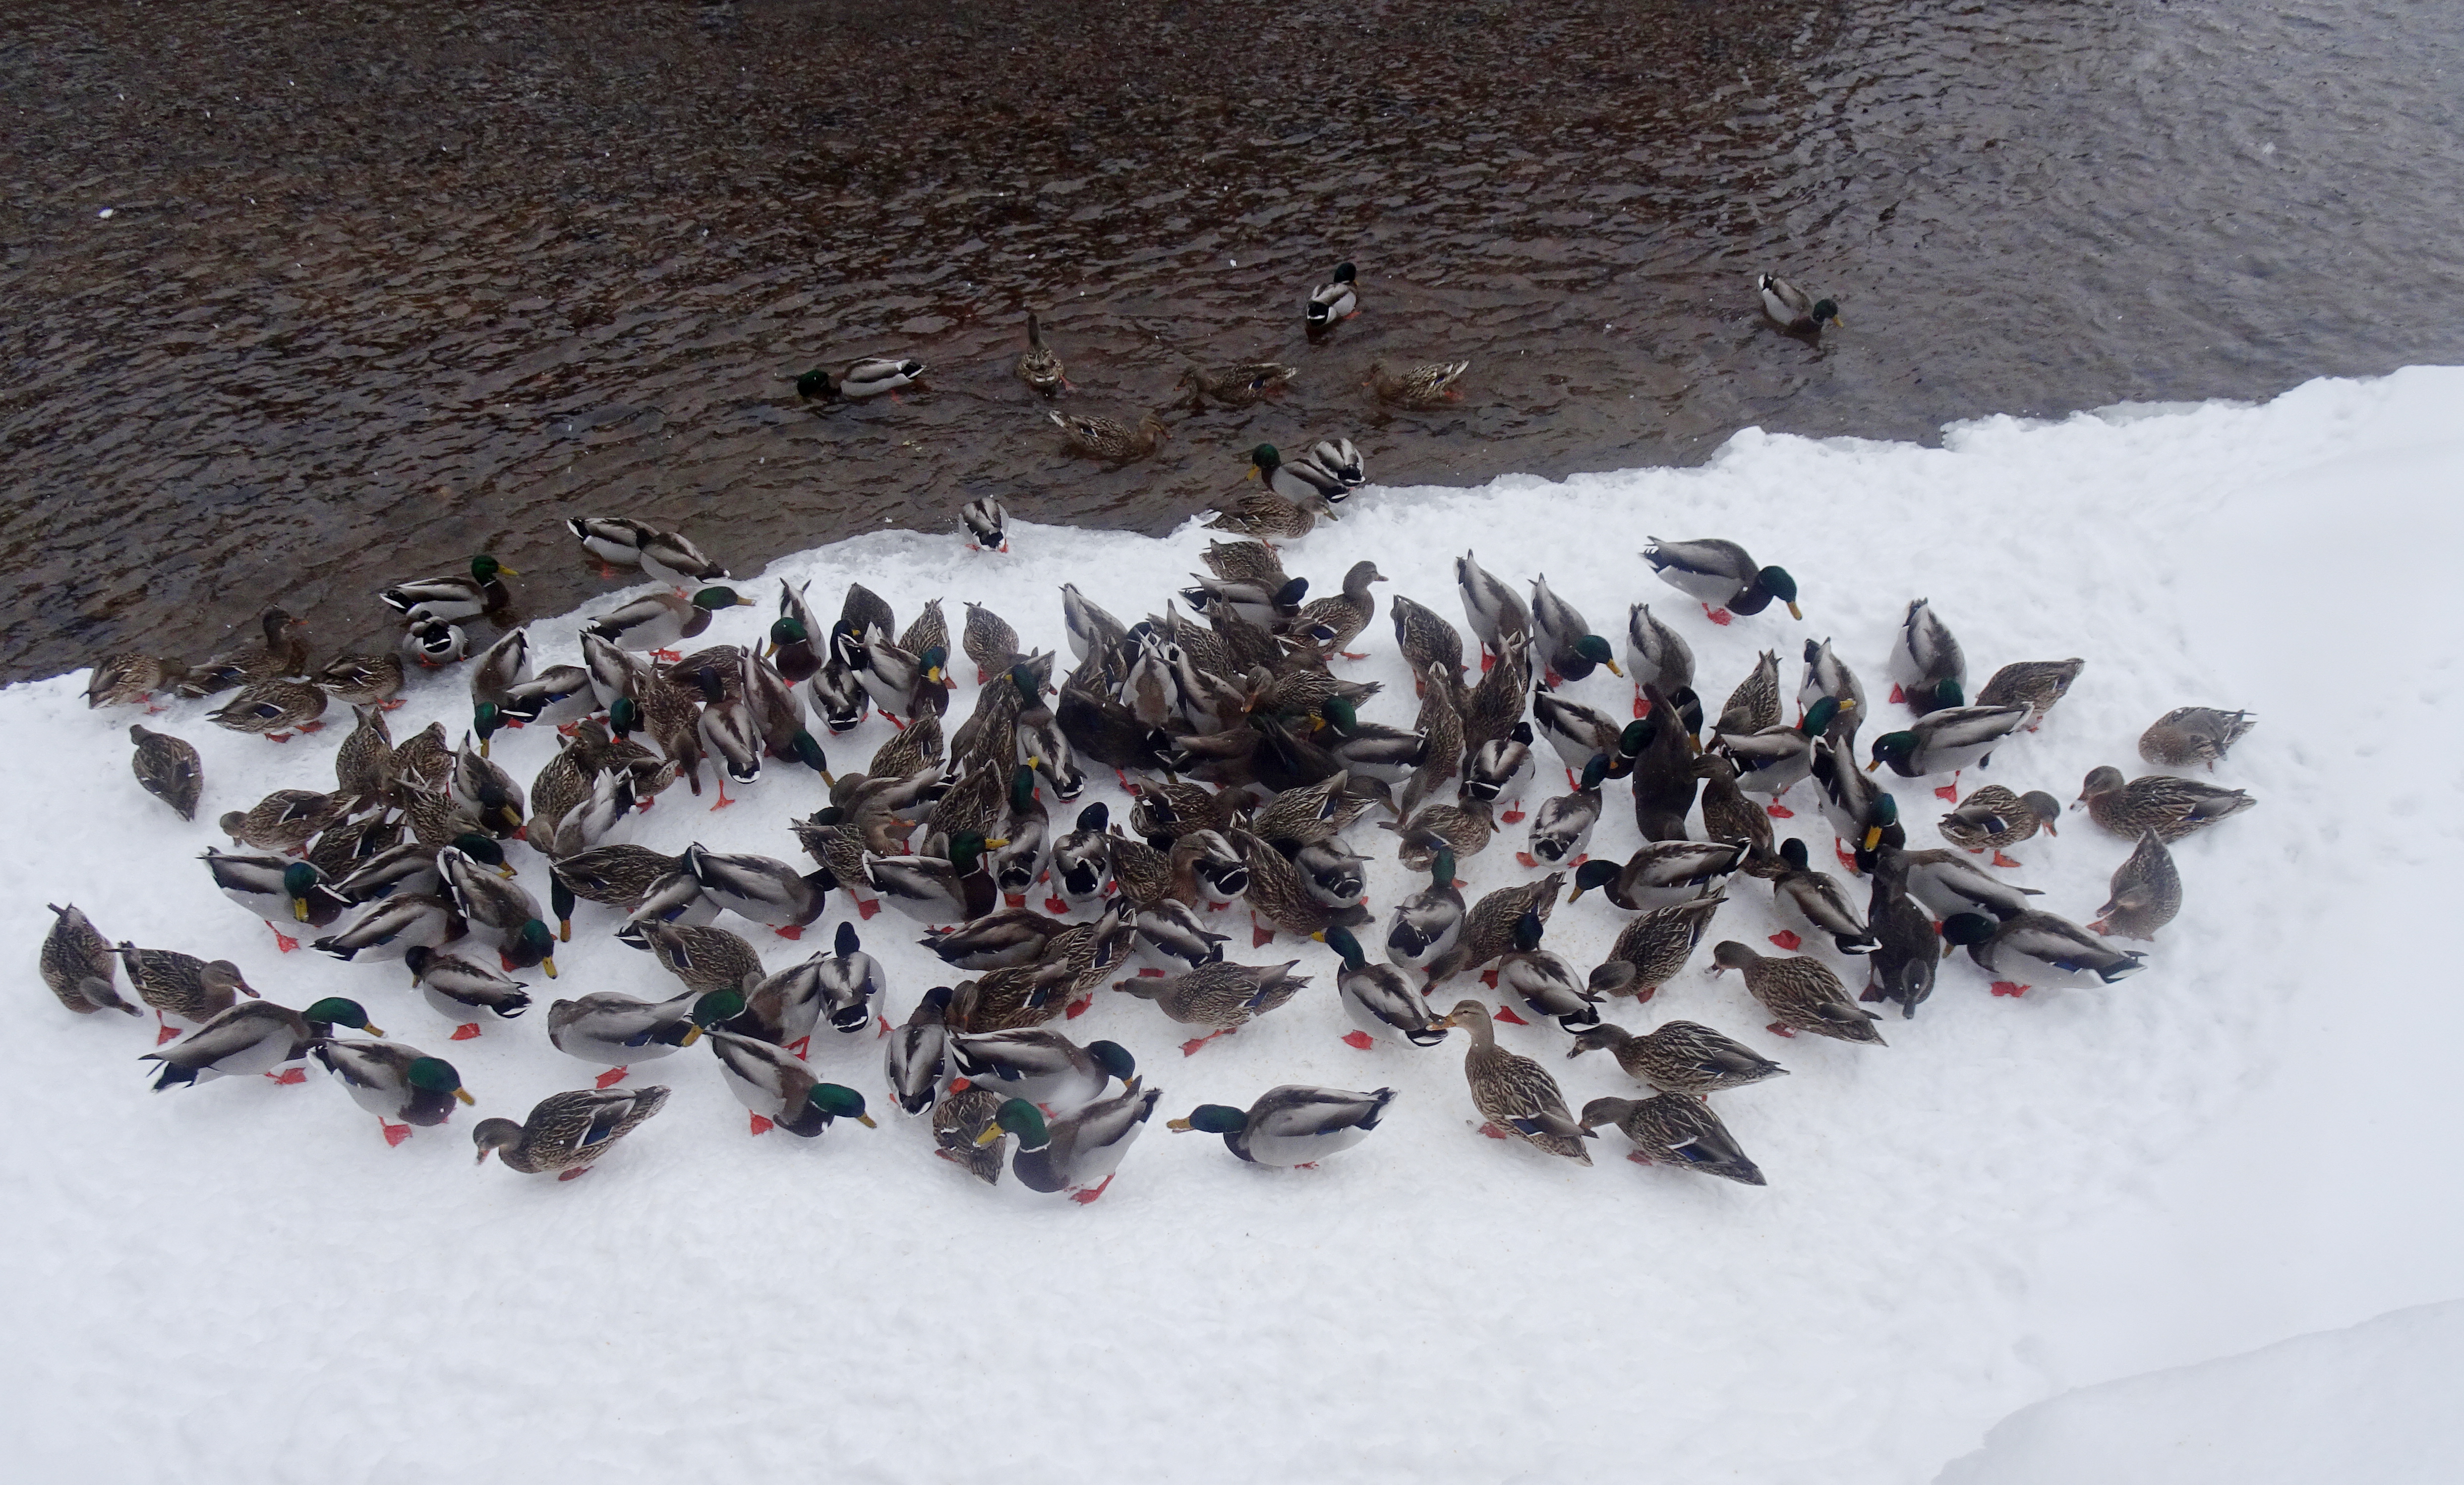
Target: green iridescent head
{"x": 835, "y": 1102}
{"x": 1216, "y": 1119}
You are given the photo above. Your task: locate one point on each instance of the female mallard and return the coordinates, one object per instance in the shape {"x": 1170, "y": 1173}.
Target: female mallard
{"x": 1948, "y": 742}
{"x": 1109, "y": 438}
{"x": 1685, "y": 1057}
{"x": 268, "y": 887}
{"x": 1675, "y": 1130}
{"x": 1077, "y": 1152}
{"x": 391, "y": 928}
{"x": 373, "y": 680}
{"x": 1514, "y": 1094}
{"x": 961, "y": 1117}
{"x": 395, "y": 1083}
{"x": 2168, "y": 806}
{"x": 1380, "y": 1003}
{"x": 1816, "y": 899}
{"x": 1802, "y": 992}
{"x": 567, "y": 1133}
{"x": 1929, "y": 670}
{"x": 1333, "y": 301}
{"x": 1827, "y": 675}
{"x": 618, "y": 875}
{"x": 284, "y": 653}
{"x": 1424, "y": 384}
{"x": 1278, "y": 893}
{"x": 1791, "y": 308}
{"x": 79, "y": 965}
{"x": 1489, "y": 930}
{"x": 255, "y": 1037}
{"x": 1992, "y": 816}
{"x": 456, "y": 987}
{"x": 778, "y": 1091}
{"x": 2146, "y": 892}
{"x": 1041, "y": 1066}
{"x": 2193, "y": 734}
{"x": 1425, "y": 639}
{"x": 1663, "y": 873}
{"x": 1727, "y": 815}
{"x": 273, "y": 709}
{"x": 284, "y": 819}
{"x": 916, "y": 1056}
{"x": 1037, "y": 366}
{"x": 168, "y": 769}
{"x": 2035, "y": 683}
{"x": 1495, "y": 611}
{"x": 1265, "y": 515}
{"x": 1754, "y": 705}
{"x": 1906, "y": 950}
{"x": 1291, "y": 1125}
{"x": 1663, "y": 773}
{"x": 614, "y": 1031}
{"x": 1722, "y": 576}
{"x": 364, "y": 764}
{"x": 182, "y": 986}
{"x": 1244, "y": 386}
{"x": 1224, "y": 996}
{"x": 871, "y": 377}
{"x": 1542, "y": 982}
{"x": 932, "y": 889}
{"x": 1569, "y": 649}
{"x": 1331, "y": 624}
{"x": 658, "y": 622}
{"x": 1656, "y": 655}
{"x": 1650, "y": 950}
{"x": 453, "y": 597}
{"x": 990, "y": 642}
{"x": 1001, "y": 940}
{"x": 128, "y": 678}
{"x": 1561, "y": 827}
{"x": 2052, "y": 943}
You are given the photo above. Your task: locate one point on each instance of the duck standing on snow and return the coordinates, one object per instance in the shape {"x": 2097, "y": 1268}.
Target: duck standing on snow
{"x": 567, "y": 1133}
{"x": 1516, "y": 1095}
{"x": 284, "y": 653}
{"x": 1721, "y": 576}
{"x": 1791, "y": 308}
{"x": 1948, "y": 742}
{"x": 1225, "y": 996}
{"x": 2193, "y": 734}
{"x": 1379, "y": 1001}
{"x": 2035, "y": 683}
{"x": 1685, "y": 1057}
{"x": 1569, "y": 649}
{"x": 395, "y": 1083}
{"x": 1801, "y": 991}
{"x": 256, "y": 1037}
{"x": 614, "y": 1031}
{"x": 916, "y": 1056}
{"x": 871, "y": 377}
{"x": 1655, "y": 655}
{"x": 270, "y": 886}
{"x": 778, "y": 1091}
{"x": 80, "y": 966}
{"x": 987, "y": 523}
{"x": 1906, "y": 950}
{"x": 1496, "y": 612}
{"x": 182, "y": 986}
{"x": 1291, "y": 1125}
{"x": 1333, "y": 623}
{"x": 1992, "y": 816}
{"x": 2053, "y": 942}
{"x": 2161, "y": 804}
{"x": 1674, "y": 1130}
{"x": 1078, "y": 1152}
{"x": 455, "y": 986}
{"x": 2146, "y": 892}
{"x": 1928, "y": 669}
{"x": 1816, "y": 899}
{"x": 168, "y": 768}
{"x": 453, "y": 598}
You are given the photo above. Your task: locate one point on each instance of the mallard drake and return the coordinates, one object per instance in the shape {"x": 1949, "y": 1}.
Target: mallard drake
{"x": 488, "y": 791}
{"x": 767, "y": 891}
{"x": 2193, "y": 734}
{"x": 1722, "y": 576}
{"x": 778, "y": 1091}
{"x": 2035, "y": 683}
{"x": 1826, "y": 674}
{"x": 390, "y": 927}
{"x": 1663, "y": 873}
{"x": 842, "y": 699}
{"x": 433, "y": 643}
{"x": 555, "y": 696}
{"x": 1656, "y": 655}
{"x": 1291, "y": 1125}
{"x": 1333, "y": 622}
{"x": 1772, "y": 760}
{"x": 1243, "y": 385}
{"x": 410, "y": 866}
{"x": 1816, "y": 899}
{"x": 255, "y": 1037}
{"x": 1278, "y": 893}
{"x": 1366, "y": 750}
{"x": 1424, "y": 927}
{"x": 1421, "y": 384}
{"x": 182, "y": 987}
{"x": 2146, "y": 892}
{"x": 1335, "y": 300}
{"x": 1516, "y": 1095}
{"x": 1663, "y": 773}
{"x": 871, "y": 377}
{"x": 1675, "y": 1130}
{"x": 567, "y": 1133}
{"x": 1801, "y": 991}
{"x": 1489, "y": 930}
{"x": 1081, "y": 861}
{"x": 1791, "y": 308}
{"x": 284, "y": 653}
{"x": 1381, "y": 1003}
{"x": 1948, "y": 883}
{"x": 273, "y": 709}
{"x": 1495, "y": 611}
{"x": 1224, "y": 996}
{"x": 1569, "y": 651}
{"x": 1077, "y": 1152}
{"x": 484, "y": 897}
{"x": 916, "y": 1056}
{"x": 2169, "y": 806}
{"x": 1928, "y": 669}
{"x": 79, "y": 965}
{"x": 1561, "y": 828}
{"x": 1109, "y": 438}
{"x": 130, "y": 677}
{"x": 614, "y": 1032}
{"x": 1948, "y": 742}
{"x": 1041, "y": 1066}
{"x": 168, "y": 769}
{"x": 453, "y": 598}
{"x": 395, "y": 1083}
{"x": 454, "y": 987}
{"x": 1685, "y": 1057}
{"x": 1542, "y": 982}
{"x": 1906, "y": 950}
{"x": 1580, "y": 733}
{"x": 1253, "y": 603}
{"x": 284, "y": 819}
{"x": 933, "y": 889}
{"x": 614, "y": 673}
{"x": 2052, "y": 943}
{"x": 729, "y": 734}
{"x": 1992, "y": 816}
{"x": 850, "y": 981}
{"x": 373, "y": 680}
{"x": 1425, "y": 639}
{"x": 1854, "y": 806}
{"x": 268, "y": 887}
{"x": 887, "y": 671}
{"x": 1170, "y": 937}
{"x": 616, "y": 541}
{"x": 658, "y": 622}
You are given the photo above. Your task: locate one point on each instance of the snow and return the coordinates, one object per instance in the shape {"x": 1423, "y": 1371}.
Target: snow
{"x": 2015, "y": 1197}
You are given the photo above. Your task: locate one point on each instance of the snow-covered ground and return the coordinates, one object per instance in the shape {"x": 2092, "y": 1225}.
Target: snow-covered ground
{"x": 2244, "y": 1142}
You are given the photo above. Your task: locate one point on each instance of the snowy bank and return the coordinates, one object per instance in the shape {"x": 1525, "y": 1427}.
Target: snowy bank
{"x": 243, "y": 1280}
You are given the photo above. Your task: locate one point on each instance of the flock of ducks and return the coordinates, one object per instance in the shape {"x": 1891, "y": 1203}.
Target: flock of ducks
{"x": 1247, "y": 765}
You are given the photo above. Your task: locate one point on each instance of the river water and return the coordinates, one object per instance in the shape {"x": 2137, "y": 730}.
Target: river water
{"x": 299, "y": 300}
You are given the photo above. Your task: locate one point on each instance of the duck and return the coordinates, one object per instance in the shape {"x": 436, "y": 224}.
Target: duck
{"x": 1494, "y": 610}
{"x": 1243, "y": 385}
{"x": 1379, "y": 1001}
{"x": 1683, "y": 1057}
{"x": 1652, "y": 948}
{"x": 1278, "y": 893}
{"x": 871, "y": 377}
{"x": 987, "y": 523}
{"x": 1265, "y": 514}
{"x": 889, "y": 672}
{"x": 1081, "y": 861}
{"x": 1076, "y": 1153}
{"x": 484, "y": 897}
{"x": 273, "y": 709}
{"x": 1675, "y": 1130}
{"x": 1906, "y": 950}
{"x": 1425, "y": 639}
{"x": 1948, "y": 742}
{"x": 933, "y": 890}
{"x": 658, "y": 622}
{"x": 1855, "y": 807}
{"x": 168, "y": 768}
{"x": 1819, "y": 900}
{"x": 1568, "y": 651}
{"x": 916, "y": 1056}
{"x": 1037, "y": 366}
{"x": 1992, "y": 816}
{"x": 1826, "y": 674}
{"x": 1001, "y": 940}
{"x": 614, "y": 1031}
{"x": 758, "y": 887}
{"x": 270, "y": 886}
{"x": 2146, "y": 892}
{"x": 1754, "y": 705}
{"x": 555, "y": 696}
{"x": 1421, "y": 384}
{"x": 1499, "y": 768}
{"x": 1333, "y": 301}
{"x": 502, "y": 666}
{"x": 1542, "y": 982}
{"x": 1802, "y": 992}
{"x": 617, "y": 874}
{"x": 1424, "y": 927}
{"x": 129, "y": 678}
{"x": 1791, "y": 308}
{"x": 2051, "y": 943}
{"x": 778, "y": 1091}
{"x": 1333, "y": 622}
{"x": 1928, "y": 669}
{"x": 488, "y": 791}
{"x": 454, "y": 987}
{"x": 80, "y": 966}
{"x": 1561, "y": 828}
{"x": 255, "y": 1037}
{"x": 1663, "y": 873}
{"x": 1578, "y": 734}
{"x": 2164, "y": 804}
{"x": 182, "y": 987}
{"x": 1218, "y": 995}
{"x": 434, "y": 643}
{"x": 1947, "y": 883}
{"x": 1774, "y": 759}
{"x": 390, "y": 927}
{"x": 2193, "y": 734}
{"x": 567, "y": 1133}
{"x": 1366, "y": 749}
{"x": 1664, "y": 769}
{"x": 373, "y": 680}
{"x": 2035, "y": 683}
{"x": 284, "y": 819}
{"x": 1291, "y": 1125}
{"x": 962, "y": 1116}
{"x": 395, "y": 1083}
{"x": 1722, "y": 576}
{"x": 850, "y": 981}
{"x": 1516, "y": 1095}
{"x": 616, "y": 541}
{"x": 1655, "y": 655}
{"x": 1727, "y": 815}
{"x": 1489, "y": 927}
{"x": 1109, "y": 438}
{"x": 283, "y": 654}
{"x": 1041, "y": 1066}
{"x": 453, "y": 598}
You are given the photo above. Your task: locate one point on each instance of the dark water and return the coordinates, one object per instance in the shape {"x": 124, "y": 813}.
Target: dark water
{"x": 386, "y": 284}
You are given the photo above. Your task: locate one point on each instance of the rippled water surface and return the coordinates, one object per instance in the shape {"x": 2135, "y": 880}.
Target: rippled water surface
{"x": 381, "y": 285}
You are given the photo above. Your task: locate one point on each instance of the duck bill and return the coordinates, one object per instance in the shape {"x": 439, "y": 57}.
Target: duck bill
{"x": 464, "y": 1094}
{"x": 502, "y": 571}
{"x": 1795, "y": 612}
{"x": 1179, "y": 1125}
{"x": 549, "y": 965}
{"x": 300, "y": 908}
{"x": 1873, "y": 766}
{"x": 692, "y": 1034}
{"x": 866, "y": 1121}
{"x": 1613, "y": 669}
{"x": 990, "y": 1136}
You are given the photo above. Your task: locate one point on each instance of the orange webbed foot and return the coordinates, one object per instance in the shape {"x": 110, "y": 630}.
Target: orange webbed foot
{"x": 611, "y": 1078}
{"x": 1359, "y": 1040}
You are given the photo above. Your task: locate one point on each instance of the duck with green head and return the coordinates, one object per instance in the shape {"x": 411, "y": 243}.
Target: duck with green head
{"x": 1771, "y": 761}
{"x": 775, "y": 1086}
{"x": 399, "y": 1085}
{"x": 1722, "y": 576}
{"x": 1041, "y": 1066}
{"x": 1291, "y": 1125}
{"x": 658, "y": 621}
{"x": 1424, "y": 927}
{"x": 1379, "y": 1001}
{"x": 1791, "y": 308}
{"x": 1566, "y": 646}
{"x": 1077, "y": 1152}
{"x": 453, "y": 598}
{"x": 270, "y": 887}
{"x": 935, "y": 890}
{"x": 256, "y": 1037}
